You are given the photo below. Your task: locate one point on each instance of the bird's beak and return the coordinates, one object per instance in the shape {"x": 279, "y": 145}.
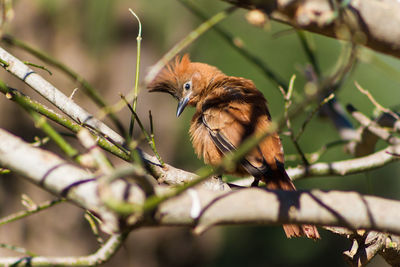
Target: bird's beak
{"x": 182, "y": 104}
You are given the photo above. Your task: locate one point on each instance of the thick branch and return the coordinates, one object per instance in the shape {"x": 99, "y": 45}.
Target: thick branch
{"x": 58, "y": 177}
{"x": 375, "y": 24}
{"x": 256, "y": 205}
{"x": 367, "y": 245}
{"x": 201, "y": 206}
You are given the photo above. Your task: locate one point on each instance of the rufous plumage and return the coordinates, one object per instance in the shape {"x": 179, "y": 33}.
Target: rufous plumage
{"x": 228, "y": 110}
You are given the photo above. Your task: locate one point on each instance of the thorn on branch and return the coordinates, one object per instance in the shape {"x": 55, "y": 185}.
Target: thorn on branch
{"x": 73, "y": 93}
{"x": 38, "y": 66}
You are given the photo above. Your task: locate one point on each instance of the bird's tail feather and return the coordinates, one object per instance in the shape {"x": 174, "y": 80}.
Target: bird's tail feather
{"x": 281, "y": 180}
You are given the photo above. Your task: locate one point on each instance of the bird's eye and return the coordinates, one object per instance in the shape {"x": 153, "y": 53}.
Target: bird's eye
{"x": 187, "y": 85}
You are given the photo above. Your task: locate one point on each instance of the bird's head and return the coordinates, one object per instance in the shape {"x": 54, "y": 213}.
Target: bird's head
{"x": 185, "y": 80}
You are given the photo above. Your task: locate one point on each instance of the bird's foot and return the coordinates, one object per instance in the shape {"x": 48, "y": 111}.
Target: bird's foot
{"x": 255, "y": 182}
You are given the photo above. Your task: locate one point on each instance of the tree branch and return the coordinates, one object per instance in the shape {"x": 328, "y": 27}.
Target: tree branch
{"x": 260, "y": 206}
{"x": 58, "y": 177}
{"x": 367, "y": 245}
{"x": 340, "y": 168}
{"x": 102, "y": 255}
{"x": 375, "y": 24}
{"x": 317, "y": 207}
{"x": 55, "y": 96}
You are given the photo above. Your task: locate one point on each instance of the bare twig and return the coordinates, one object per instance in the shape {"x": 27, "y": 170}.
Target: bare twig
{"x": 153, "y": 142}
{"x": 373, "y": 127}
{"x": 376, "y": 104}
{"x": 149, "y": 137}
{"x": 288, "y": 101}
{"x": 136, "y": 86}
{"x": 309, "y": 52}
{"x": 315, "y": 156}
{"x": 28, "y": 103}
{"x": 87, "y": 87}
{"x": 102, "y": 255}
{"x": 55, "y": 96}
{"x": 238, "y": 45}
{"x": 22, "y": 214}
{"x": 38, "y": 66}
{"x": 91, "y": 219}
{"x": 310, "y": 115}
{"x": 18, "y": 249}
{"x": 202, "y": 28}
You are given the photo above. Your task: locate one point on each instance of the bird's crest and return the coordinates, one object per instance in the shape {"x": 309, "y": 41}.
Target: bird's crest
{"x": 167, "y": 80}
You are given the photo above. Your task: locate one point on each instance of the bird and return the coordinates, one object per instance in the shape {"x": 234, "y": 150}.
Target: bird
{"x": 228, "y": 110}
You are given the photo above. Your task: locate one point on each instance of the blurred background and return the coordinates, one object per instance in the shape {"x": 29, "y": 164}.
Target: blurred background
{"x": 97, "y": 38}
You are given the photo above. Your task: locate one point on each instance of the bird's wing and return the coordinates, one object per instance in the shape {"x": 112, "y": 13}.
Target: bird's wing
{"x": 230, "y": 125}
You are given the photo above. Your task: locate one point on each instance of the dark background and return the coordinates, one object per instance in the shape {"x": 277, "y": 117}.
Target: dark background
{"x": 97, "y": 38}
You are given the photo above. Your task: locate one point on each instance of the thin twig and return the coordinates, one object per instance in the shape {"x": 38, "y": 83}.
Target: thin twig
{"x": 91, "y": 219}
{"x": 22, "y": 214}
{"x": 153, "y": 142}
{"x": 315, "y": 156}
{"x": 329, "y": 85}
{"x": 288, "y": 102}
{"x": 376, "y": 104}
{"x": 310, "y": 115}
{"x": 28, "y": 103}
{"x": 309, "y": 51}
{"x": 41, "y": 122}
{"x": 87, "y": 87}
{"x": 38, "y": 66}
{"x": 148, "y": 137}
{"x": 239, "y": 47}
{"x": 192, "y": 36}
{"x": 136, "y": 86}
{"x": 372, "y": 126}
{"x": 18, "y": 249}
{"x": 56, "y": 97}
{"x": 27, "y": 202}
{"x": 102, "y": 255}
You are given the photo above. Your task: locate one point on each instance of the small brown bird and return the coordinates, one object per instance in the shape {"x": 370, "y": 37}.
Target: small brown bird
{"x": 228, "y": 110}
